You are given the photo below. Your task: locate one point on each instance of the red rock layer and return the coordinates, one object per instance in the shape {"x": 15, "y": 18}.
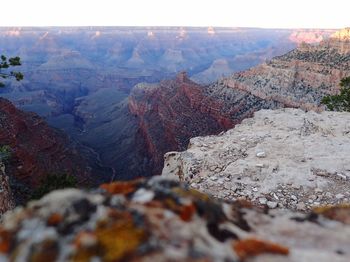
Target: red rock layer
{"x": 171, "y": 113}
{"x": 36, "y": 149}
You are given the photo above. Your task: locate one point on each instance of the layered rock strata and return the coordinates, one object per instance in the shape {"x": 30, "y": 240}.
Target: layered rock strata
{"x": 170, "y": 113}
{"x": 36, "y": 150}
{"x": 301, "y": 77}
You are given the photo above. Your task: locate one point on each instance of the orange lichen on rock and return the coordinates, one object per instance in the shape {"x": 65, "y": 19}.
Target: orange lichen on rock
{"x": 119, "y": 239}
{"x": 112, "y": 240}
{"x": 120, "y": 187}
{"x": 339, "y": 213}
{"x": 5, "y": 241}
{"x": 54, "y": 219}
{"x": 187, "y": 211}
{"x": 253, "y": 247}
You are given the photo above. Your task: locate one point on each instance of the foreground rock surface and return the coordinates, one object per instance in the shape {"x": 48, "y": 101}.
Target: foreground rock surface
{"x": 162, "y": 220}
{"x": 282, "y": 158}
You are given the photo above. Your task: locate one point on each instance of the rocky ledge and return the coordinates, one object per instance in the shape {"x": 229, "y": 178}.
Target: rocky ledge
{"x": 162, "y": 220}
{"x": 280, "y": 158}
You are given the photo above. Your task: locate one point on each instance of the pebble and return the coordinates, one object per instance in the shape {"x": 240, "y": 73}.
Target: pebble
{"x": 261, "y": 154}
{"x": 301, "y": 206}
{"x": 328, "y": 194}
{"x": 262, "y": 200}
{"x": 143, "y": 196}
{"x": 271, "y": 204}
{"x": 340, "y": 175}
{"x": 234, "y": 188}
{"x": 212, "y": 168}
{"x": 294, "y": 197}
{"x": 259, "y": 165}
{"x": 255, "y": 189}
{"x": 213, "y": 178}
{"x": 194, "y": 185}
{"x": 313, "y": 197}
{"x": 339, "y": 196}
{"x": 318, "y": 190}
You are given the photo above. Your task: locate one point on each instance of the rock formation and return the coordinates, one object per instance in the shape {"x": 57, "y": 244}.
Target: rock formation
{"x": 161, "y": 220}
{"x": 285, "y": 158}
{"x": 37, "y": 150}
{"x": 7, "y": 201}
{"x": 166, "y": 116}
{"x": 301, "y": 77}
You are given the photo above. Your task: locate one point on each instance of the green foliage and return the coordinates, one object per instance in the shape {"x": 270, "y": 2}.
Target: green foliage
{"x": 53, "y": 182}
{"x": 341, "y": 101}
{"x": 6, "y": 64}
{"x": 5, "y": 153}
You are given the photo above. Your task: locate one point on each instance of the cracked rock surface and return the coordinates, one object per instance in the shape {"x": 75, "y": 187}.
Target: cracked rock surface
{"x": 280, "y": 158}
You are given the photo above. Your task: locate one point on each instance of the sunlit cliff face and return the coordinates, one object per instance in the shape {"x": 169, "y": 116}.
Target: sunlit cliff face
{"x": 309, "y": 37}
{"x": 343, "y": 34}
{"x": 13, "y": 33}
{"x": 96, "y": 35}
{"x": 182, "y": 34}
{"x": 211, "y": 31}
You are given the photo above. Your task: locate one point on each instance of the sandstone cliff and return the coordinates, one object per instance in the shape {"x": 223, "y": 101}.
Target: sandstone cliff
{"x": 301, "y": 77}
{"x": 286, "y": 158}
{"x": 160, "y": 220}
{"x": 37, "y": 150}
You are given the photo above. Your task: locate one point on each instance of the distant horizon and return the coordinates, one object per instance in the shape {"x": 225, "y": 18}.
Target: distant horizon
{"x": 170, "y": 26}
{"x": 270, "y": 14}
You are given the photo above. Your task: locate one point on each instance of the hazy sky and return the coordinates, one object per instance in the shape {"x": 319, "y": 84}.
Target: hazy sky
{"x": 246, "y": 13}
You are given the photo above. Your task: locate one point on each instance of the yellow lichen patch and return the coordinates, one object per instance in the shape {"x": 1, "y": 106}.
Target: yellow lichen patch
{"x": 5, "y": 241}
{"x": 118, "y": 240}
{"x": 192, "y": 193}
{"x": 339, "y": 213}
{"x": 54, "y": 219}
{"x": 252, "y": 247}
{"x": 115, "y": 238}
{"x": 120, "y": 187}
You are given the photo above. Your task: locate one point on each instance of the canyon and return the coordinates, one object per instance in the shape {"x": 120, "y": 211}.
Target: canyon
{"x": 254, "y": 168}
{"x": 81, "y": 81}
{"x": 158, "y": 118}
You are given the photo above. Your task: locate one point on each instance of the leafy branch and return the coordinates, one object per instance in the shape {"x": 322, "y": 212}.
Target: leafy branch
{"x": 341, "y": 101}
{"x": 5, "y": 64}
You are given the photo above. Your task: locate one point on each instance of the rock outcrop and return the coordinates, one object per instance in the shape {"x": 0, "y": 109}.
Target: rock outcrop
{"x": 7, "y": 201}
{"x": 37, "y": 150}
{"x": 301, "y": 77}
{"x": 280, "y": 158}
{"x": 170, "y": 113}
{"x": 161, "y": 220}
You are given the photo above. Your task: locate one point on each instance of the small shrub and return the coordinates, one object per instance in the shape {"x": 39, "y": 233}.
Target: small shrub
{"x": 5, "y": 153}
{"x": 53, "y": 182}
{"x": 341, "y": 101}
